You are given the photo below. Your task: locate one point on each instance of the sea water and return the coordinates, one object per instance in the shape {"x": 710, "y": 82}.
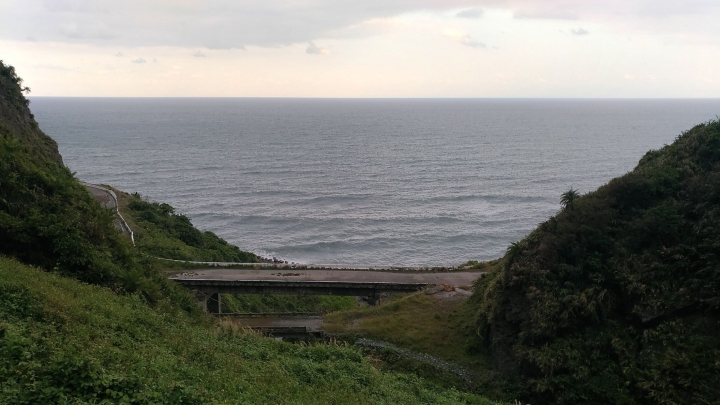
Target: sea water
{"x": 418, "y": 182}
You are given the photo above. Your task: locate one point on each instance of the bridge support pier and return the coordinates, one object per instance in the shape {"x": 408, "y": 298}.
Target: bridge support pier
{"x": 213, "y": 304}
{"x": 209, "y": 302}
{"x": 373, "y": 299}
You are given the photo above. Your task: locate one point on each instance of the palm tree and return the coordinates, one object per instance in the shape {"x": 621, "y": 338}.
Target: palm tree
{"x": 567, "y": 199}
{"x": 513, "y": 250}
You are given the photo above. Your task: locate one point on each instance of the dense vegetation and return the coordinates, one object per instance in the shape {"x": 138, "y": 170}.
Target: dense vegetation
{"x": 234, "y": 303}
{"x": 62, "y": 342}
{"x": 161, "y": 232}
{"x": 616, "y": 299}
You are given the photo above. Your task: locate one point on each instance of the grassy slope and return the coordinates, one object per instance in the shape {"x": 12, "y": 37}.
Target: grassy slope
{"x": 417, "y": 321}
{"x": 65, "y": 342}
{"x": 438, "y": 325}
{"x": 617, "y": 298}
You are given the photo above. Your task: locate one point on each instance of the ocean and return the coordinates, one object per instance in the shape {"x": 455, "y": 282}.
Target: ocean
{"x": 380, "y": 182}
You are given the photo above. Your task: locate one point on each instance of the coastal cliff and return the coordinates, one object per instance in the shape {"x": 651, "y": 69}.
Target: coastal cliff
{"x": 47, "y": 218}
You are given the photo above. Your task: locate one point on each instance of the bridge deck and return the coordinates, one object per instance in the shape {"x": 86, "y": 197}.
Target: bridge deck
{"x": 456, "y": 278}
{"x": 210, "y": 283}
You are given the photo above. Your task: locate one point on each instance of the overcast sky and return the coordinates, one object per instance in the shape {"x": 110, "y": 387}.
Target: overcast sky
{"x": 364, "y": 48}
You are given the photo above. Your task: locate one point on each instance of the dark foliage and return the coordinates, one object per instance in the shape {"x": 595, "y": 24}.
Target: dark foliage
{"x": 49, "y": 220}
{"x": 617, "y": 298}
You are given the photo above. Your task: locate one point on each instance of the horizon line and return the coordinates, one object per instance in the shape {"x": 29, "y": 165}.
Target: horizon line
{"x": 387, "y": 98}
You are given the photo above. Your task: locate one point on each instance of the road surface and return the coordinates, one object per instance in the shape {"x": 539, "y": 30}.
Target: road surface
{"x": 455, "y": 278}
{"x": 102, "y": 196}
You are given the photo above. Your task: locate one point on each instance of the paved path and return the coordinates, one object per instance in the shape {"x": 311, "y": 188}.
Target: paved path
{"x": 103, "y": 196}
{"x": 109, "y": 200}
{"x": 456, "y": 278}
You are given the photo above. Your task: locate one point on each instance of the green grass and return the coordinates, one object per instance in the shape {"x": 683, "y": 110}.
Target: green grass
{"x": 419, "y": 322}
{"x": 65, "y": 342}
{"x": 485, "y": 265}
{"x": 439, "y": 326}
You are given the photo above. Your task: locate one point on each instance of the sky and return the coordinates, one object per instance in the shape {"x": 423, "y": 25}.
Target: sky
{"x": 367, "y": 48}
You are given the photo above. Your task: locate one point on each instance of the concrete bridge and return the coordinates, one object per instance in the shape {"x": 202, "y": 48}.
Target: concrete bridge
{"x": 210, "y": 283}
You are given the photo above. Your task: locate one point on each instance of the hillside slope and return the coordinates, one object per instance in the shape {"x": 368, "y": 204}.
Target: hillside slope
{"x": 63, "y": 342}
{"x": 616, "y": 299}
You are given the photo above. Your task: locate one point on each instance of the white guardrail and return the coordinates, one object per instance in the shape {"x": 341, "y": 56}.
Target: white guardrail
{"x": 282, "y": 265}
{"x": 123, "y": 223}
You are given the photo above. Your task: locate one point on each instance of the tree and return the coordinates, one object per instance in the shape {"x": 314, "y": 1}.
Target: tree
{"x": 567, "y": 199}
{"x": 513, "y": 251}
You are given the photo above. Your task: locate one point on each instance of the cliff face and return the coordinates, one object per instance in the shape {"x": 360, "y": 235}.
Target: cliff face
{"x": 46, "y": 217}
{"x": 17, "y": 121}
{"x": 616, "y": 299}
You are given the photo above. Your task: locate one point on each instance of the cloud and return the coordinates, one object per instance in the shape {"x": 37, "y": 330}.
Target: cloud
{"x": 470, "y": 13}
{"x": 50, "y": 66}
{"x": 31, "y": 38}
{"x": 139, "y": 61}
{"x": 231, "y": 24}
{"x": 313, "y": 49}
{"x": 120, "y": 55}
{"x": 227, "y": 24}
{"x": 464, "y": 39}
{"x": 580, "y": 31}
{"x": 198, "y": 54}
{"x": 549, "y": 14}
{"x": 96, "y": 30}
{"x": 467, "y": 40}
